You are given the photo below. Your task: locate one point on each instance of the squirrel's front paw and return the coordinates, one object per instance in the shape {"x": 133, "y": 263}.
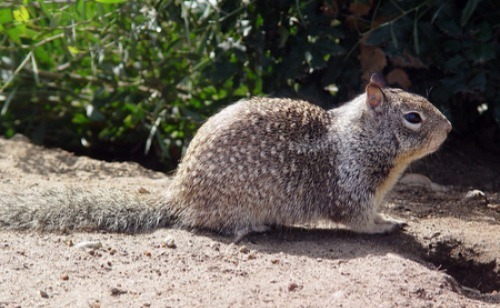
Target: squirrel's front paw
{"x": 395, "y": 224}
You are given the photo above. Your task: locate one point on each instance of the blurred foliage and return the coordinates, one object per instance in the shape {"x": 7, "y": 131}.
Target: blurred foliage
{"x": 125, "y": 78}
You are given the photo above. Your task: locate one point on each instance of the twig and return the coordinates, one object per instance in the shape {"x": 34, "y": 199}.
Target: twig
{"x": 18, "y": 69}
{"x": 7, "y": 102}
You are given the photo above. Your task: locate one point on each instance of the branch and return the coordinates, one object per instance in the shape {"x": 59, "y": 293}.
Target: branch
{"x": 111, "y": 84}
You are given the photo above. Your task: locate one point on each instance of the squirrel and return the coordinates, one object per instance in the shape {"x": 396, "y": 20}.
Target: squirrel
{"x": 260, "y": 163}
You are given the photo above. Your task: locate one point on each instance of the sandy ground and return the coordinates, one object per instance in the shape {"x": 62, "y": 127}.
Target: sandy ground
{"x": 449, "y": 255}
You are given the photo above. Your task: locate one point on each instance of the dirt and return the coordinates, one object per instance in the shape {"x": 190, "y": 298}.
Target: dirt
{"x": 448, "y": 256}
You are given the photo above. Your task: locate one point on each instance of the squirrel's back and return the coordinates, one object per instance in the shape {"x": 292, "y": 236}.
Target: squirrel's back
{"x": 258, "y": 162}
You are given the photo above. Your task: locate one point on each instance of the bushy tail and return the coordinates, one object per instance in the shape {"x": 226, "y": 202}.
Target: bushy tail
{"x": 70, "y": 208}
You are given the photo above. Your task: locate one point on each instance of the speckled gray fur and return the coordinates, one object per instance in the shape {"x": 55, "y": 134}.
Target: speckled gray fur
{"x": 264, "y": 162}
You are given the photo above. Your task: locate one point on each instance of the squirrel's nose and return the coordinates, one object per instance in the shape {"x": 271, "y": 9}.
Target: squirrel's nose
{"x": 448, "y": 126}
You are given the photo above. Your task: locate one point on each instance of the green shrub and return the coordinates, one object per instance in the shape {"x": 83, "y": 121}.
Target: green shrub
{"x": 120, "y": 76}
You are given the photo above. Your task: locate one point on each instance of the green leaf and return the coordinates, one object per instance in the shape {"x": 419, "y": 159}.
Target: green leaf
{"x": 42, "y": 56}
{"x": 283, "y": 36}
{"x": 21, "y": 15}
{"x": 415, "y": 37}
{"x": 80, "y": 118}
{"x": 128, "y": 121}
{"x": 73, "y": 50}
{"x": 436, "y": 14}
{"x": 55, "y": 19}
{"x": 483, "y": 52}
{"x": 15, "y": 34}
{"x": 393, "y": 36}
{"x": 469, "y": 9}
{"x": 5, "y": 16}
{"x": 447, "y": 20}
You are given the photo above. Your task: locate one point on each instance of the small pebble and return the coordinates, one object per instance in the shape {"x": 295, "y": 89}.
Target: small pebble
{"x": 91, "y": 245}
{"x": 44, "y": 294}
{"x": 476, "y": 197}
{"x": 215, "y": 246}
{"x": 143, "y": 190}
{"x": 64, "y": 277}
{"x": 95, "y": 304}
{"x": 169, "y": 243}
{"x": 475, "y": 194}
{"x": 116, "y": 291}
{"x": 292, "y": 286}
{"x": 244, "y": 249}
{"x": 494, "y": 206}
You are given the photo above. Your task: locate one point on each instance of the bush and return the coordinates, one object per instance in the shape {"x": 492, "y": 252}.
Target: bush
{"x": 139, "y": 77}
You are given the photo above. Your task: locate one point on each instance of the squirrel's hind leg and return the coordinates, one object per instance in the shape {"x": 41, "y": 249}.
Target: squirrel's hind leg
{"x": 376, "y": 224}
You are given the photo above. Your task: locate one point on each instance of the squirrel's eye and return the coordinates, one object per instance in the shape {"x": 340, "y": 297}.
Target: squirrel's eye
{"x": 413, "y": 117}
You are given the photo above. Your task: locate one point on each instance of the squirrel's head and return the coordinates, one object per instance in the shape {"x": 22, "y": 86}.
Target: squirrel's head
{"x": 412, "y": 122}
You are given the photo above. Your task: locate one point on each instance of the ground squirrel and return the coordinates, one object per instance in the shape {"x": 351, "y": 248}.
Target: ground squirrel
{"x": 264, "y": 162}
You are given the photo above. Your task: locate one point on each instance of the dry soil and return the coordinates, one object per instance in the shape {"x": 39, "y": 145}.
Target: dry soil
{"x": 448, "y": 256}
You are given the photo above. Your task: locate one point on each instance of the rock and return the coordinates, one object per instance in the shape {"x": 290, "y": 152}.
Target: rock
{"x": 476, "y": 197}
{"x": 169, "y": 243}
{"x": 293, "y": 286}
{"x": 89, "y": 244}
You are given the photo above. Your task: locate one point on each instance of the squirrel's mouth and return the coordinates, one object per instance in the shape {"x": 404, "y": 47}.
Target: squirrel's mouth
{"x": 436, "y": 142}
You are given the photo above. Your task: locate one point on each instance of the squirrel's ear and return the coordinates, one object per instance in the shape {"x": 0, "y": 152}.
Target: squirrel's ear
{"x": 374, "y": 95}
{"x": 378, "y": 79}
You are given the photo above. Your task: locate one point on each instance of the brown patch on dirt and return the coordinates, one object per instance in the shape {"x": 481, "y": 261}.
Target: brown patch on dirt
{"x": 448, "y": 256}
{"x": 463, "y": 164}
